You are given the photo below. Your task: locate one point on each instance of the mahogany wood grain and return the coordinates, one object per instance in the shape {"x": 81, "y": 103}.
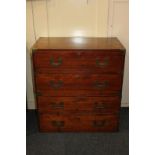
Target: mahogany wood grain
{"x": 77, "y": 92}
{"x": 61, "y": 82}
{"x": 82, "y": 123}
{"x": 103, "y": 61}
{"x": 78, "y": 83}
{"x": 77, "y": 104}
{"x": 78, "y": 70}
{"x": 80, "y": 43}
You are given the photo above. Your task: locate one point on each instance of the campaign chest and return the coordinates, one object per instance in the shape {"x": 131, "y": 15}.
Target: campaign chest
{"x": 78, "y": 83}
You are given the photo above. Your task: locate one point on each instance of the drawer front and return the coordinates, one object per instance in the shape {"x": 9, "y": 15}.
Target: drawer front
{"x": 78, "y": 104}
{"x": 50, "y": 122}
{"x": 78, "y": 81}
{"x": 67, "y": 93}
{"x": 62, "y": 61}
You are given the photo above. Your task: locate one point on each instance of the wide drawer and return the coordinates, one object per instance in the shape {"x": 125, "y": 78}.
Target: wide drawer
{"x": 78, "y": 104}
{"x": 67, "y": 93}
{"x": 106, "y": 82}
{"x": 62, "y": 61}
{"x": 66, "y": 123}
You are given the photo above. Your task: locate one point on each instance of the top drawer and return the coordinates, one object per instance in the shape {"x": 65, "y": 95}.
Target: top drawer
{"x": 62, "y": 61}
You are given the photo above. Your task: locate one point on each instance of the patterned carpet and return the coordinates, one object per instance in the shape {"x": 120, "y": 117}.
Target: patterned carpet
{"x": 77, "y": 143}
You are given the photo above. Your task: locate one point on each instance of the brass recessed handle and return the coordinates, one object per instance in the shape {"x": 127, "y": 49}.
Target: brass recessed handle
{"x": 57, "y": 105}
{"x": 101, "y": 84}
{"x": 56, "y": 85}
{"x": 104, "y": 63}
{"x": 56, "y": 64}
{"x": 99, "y": 123}
{"x": 57, "y": 123}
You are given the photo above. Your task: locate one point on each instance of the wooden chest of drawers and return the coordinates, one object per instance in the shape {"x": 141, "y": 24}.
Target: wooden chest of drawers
{"x": 78, "y": 83}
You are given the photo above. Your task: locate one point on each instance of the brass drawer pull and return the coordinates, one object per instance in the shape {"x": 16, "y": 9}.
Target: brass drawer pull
{"x": 57, "y": 123}
{"x": 57, "y": 105}
{"x": 104, "y": 63}
{"x": 99, "y": 106}
{"x": 98, "y": 123}
{"x": 56, "y": 85}
{"x": 56, "y": 64}
{"x": 101, "y": 84}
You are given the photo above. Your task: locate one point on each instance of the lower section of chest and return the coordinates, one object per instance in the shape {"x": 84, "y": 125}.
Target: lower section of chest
{"x": 78, "y": 113}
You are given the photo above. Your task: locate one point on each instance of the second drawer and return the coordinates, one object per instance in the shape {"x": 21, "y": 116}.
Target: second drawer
{"x": 106, "y": 82}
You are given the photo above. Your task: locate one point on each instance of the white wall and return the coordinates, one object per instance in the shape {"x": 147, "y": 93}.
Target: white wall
{"x": 72, "y": 18}
{"x": 118, "y": 25}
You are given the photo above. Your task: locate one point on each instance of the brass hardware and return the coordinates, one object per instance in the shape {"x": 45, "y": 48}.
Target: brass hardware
{"x": 57, "y": 105}
{"x": 104, "y": 63}
{"x": 56, "y": 64}
{"x": 99, "y": 106}
{"x": 58, "y": 123}
{"x": 98, "y": 123}
{"x": 101, "y": 84}
{"x": 56, "y": 85}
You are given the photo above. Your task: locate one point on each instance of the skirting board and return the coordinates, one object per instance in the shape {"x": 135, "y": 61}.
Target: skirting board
{"x": 31, "y": 105}
{"x": 125, "y": 105}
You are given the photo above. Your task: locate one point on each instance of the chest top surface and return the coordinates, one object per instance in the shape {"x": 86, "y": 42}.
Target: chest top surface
{"x": 77, "y": 43}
